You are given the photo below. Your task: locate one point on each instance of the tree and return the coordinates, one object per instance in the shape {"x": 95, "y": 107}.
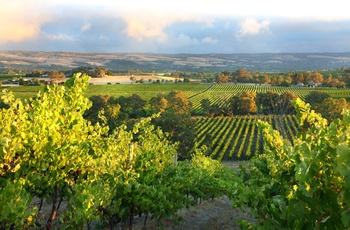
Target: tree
{"x": 132, "y": 78}
{"x": 56, "y": 77}
{"x": 266, "y": 102}
{"x": 243, "y": 103}
{"x": 178, "y": 101}
{"x": 206, "y": 106}
{"x": 298, "y": 78}
{"x": 134, "y": 105}
{"x": 242, "y": 75}
{"x": 332, "y": 108}
{"x": 315, "y": 98}
{"x": 317, "y": 77}
{"x": 159, "y": 103}
{"x": 273, "y": 103}
{"x": 176, "y": 120}
{"x": 285, "y": 103}
{"x": 100, "y": 72}
{"x": 222, "y": 78}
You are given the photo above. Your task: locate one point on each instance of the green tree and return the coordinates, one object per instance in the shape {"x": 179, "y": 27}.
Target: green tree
{"x": 134, "y": 105}
{"x": 243, "y": 103}
{"x": 159, "y": 103}
{"x": 176, "y": 120}
{"x": 332, "y": 108}
{"x": 273, "y": 103}
{"x": 206, "y": 106}
{"x": 315, "y": 98}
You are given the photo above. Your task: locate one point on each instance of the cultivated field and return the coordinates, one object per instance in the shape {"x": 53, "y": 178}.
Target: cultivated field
{"x": 228, "y": 138}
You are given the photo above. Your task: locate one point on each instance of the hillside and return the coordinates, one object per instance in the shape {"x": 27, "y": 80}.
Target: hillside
{"x": 266, "y": 62}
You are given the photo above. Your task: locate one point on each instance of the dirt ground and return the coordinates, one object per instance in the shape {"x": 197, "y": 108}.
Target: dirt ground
{"x": 209, "y": 215}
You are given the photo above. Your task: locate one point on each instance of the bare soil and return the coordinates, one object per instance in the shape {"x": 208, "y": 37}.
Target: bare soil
{"x": 216, "y": 214}
{"x": 126, "y": 79}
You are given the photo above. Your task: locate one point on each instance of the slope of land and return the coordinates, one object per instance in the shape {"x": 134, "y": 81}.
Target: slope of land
{"x": 266, "y": 62}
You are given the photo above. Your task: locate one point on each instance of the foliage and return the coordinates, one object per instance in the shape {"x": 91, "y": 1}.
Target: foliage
{"x": 222, "y": 78}
{"x": 274, "y": 103}
{"x": 332, "y": 108}
{"x": 56, "y": 77}
{"x": 49, "y": 151}
{"x": 176, "y": 120}
{"x": 243, "y": 103}
{"x": 305, "y": 186}
{"x": 315, "y": 98}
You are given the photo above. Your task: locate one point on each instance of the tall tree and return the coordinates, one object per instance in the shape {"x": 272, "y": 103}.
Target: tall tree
{"x": 332, "y": 108}
{"x": 176, "y": 119}
{"x": 243, "y": 103}
{"x": 222, "y": 78}
{"x": 273, "y": 103}
{"x": 315, "y": 98}
{"x": 242, "y": 75}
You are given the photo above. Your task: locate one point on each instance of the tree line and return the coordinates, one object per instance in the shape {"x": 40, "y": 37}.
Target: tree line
{"x": 292, "y": 78}
{"x": 175, "y": 115}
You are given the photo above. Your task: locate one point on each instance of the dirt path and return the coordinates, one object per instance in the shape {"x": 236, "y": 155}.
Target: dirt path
{"x": 209, "y": 215}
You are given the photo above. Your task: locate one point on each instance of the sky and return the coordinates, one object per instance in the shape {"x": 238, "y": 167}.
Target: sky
{"x": 181, "y": 26}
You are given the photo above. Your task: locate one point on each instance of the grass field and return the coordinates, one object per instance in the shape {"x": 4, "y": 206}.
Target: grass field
{"x": 8, "y": 76}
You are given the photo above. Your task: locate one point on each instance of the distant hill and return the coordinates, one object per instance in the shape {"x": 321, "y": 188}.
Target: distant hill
{"x": 264, "y": 62}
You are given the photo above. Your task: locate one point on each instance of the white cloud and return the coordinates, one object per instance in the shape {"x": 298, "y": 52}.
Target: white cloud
{"x": 86, "y": 27}
{"x": 251, "y": 27}
{"x": 151, "y": 24}
{"x": 209, "y": 40}
{"x": 60, "y": 37}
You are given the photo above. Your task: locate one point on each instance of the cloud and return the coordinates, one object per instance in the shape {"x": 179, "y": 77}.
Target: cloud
{"x": 60, "y": 37}
{"x": 209, "y": 40}
{"x": 251, "y": 27}
{"x": 20, "y": 20}
{"x": 151, "y": 23}
{"x": 85, "y": 27}
{"x": 140, "y": 28}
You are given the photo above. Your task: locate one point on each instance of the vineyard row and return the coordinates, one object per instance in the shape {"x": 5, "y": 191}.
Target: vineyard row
{"x": 239, "y": 138}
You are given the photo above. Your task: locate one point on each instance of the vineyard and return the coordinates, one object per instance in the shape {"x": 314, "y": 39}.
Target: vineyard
{"x": 239, "y": 138}
{"x": 51, "y": 154}
{"x": 216, "y": 93}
